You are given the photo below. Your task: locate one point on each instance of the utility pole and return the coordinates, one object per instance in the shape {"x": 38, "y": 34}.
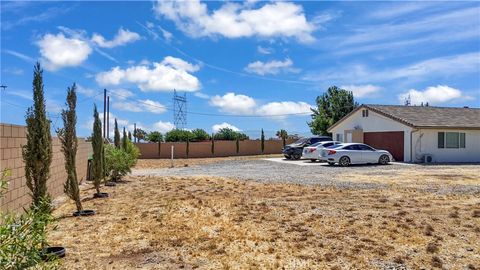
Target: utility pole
{"x": 135, "y": 132}
{"x": 108, "y": 118}
{"x": 3, "y": 87}
{"x": 104, "y": 112}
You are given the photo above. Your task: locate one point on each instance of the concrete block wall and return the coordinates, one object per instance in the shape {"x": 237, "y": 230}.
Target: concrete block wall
{"x": 12, "y": 137}
{"x": 203, "y": 149}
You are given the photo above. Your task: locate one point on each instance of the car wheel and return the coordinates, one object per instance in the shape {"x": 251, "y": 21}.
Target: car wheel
{"x": 384, "y": 160}
{"x": 296, "y": 156}
{"x": 331, "y": 163}
{"x": 344, "y": 161}
{"x": 288, "y": 157}
{"x": 313, "y": 160}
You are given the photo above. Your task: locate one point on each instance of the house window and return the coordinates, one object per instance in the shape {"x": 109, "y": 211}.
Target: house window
{"x": 339, "y": 137}
{"x": 451, "y": 140}
{"x": 364, "y": 113}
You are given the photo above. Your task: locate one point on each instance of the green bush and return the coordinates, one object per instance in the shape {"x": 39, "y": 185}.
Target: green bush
{"x": 133, "y": 153}
{"x": 198, "y": 135}
{"x": 22, "y": 237}
{"x": 177, "y": 135}
{"x": 117, "y": 162}
{"x": 229, "y": 134}
{"x": 154, "y": 136}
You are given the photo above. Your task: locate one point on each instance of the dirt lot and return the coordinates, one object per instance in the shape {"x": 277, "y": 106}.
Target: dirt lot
{"x": 182, "y": 162}
{"x": 208, "y": 222}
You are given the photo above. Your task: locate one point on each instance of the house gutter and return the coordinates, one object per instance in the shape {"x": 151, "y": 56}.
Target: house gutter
{"x": 411, "y": 144}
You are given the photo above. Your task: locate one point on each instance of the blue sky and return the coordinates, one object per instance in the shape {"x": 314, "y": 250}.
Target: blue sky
{"x": 264, "y": 60}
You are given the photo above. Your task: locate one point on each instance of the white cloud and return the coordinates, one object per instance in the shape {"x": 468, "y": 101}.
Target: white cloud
{"x": 217, "y": 127}
{"x": 163, "y": 126}
{"x": 171, "y": 73}
{"x": 234, "y": 20}
{"x": 264, "y": 50}
{"x": 201, "y": 95}
{"x": 285, "y": 107}
{"x": 142, "y": 106}
{"x": 433, "y": 95}
{"x": 233, "y": 103}
{"x": 456, "y": 65}
{"x": 272, "y": 67}
{"x": 58, "y": 51}
{"x": 240, "y": 104}
{"x": 121, "y": 38}
{"x": 122, "y": 93}
{"x": 362, "y": 90}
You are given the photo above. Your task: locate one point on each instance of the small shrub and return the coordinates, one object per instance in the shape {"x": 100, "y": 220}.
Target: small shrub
{"x": 437, "y": 262}
{"x": 432, "y": 248}
{"x": 476, "y": 214}
{"x": 117, "y": 162}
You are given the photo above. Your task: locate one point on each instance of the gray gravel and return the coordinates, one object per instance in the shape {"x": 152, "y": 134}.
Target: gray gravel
{"x": 318, "y": 174}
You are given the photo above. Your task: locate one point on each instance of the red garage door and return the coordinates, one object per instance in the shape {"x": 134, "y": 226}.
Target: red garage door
{"x": 391, "y": 141}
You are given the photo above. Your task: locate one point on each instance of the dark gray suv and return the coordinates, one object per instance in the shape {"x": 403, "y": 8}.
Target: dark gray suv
{"x": 294, "y": 150}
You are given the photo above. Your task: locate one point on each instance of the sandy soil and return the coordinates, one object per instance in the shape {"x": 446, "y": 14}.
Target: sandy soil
{"x": 166, "y": 163}
{"x": 219, "y": 223}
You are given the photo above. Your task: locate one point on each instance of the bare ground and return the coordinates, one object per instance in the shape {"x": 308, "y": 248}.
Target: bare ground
{"x": 213, "y": 222}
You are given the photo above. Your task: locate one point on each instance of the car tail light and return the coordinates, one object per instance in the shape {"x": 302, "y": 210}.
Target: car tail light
{"x": 311, "y": 150}
{"x": 331, "y": 152}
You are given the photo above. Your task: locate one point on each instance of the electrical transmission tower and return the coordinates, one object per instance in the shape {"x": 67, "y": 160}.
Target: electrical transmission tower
{"x": 179, "y": 110}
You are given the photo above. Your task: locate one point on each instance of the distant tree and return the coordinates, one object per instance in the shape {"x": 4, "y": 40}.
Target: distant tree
{"x": 116, "y": 136}
{"x": 129, "y": 136}
{"x": 229, "y": 134}
{"x": 237, "y": 145}
{"x": 262, "y": 143}
{"x": 213, "y": 145}
{"x": 199, "y": 134}
{"x": 154, "y": 136}
{"x": 177, "y": 135}
{"x": 187, "y": 149}
{"x": 331, "y": 107}
{"x": 98, "y": 155}
{"x": 140, "y": 134}
{"x": 124, "y": 139}
{"x": 282, "y": 134}
{"x": 68, "y": 137}
{"x": 37, "y": 153}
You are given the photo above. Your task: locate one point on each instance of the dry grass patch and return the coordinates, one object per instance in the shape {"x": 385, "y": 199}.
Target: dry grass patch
{"x": 218, "y": 223}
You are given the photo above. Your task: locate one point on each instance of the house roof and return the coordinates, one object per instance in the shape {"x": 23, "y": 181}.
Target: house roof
{"x": 425, "y": 116}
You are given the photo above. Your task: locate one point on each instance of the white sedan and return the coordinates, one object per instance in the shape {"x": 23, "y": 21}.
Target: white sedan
{"x": 312, "y": 152}
{"x": 354, "y": 153}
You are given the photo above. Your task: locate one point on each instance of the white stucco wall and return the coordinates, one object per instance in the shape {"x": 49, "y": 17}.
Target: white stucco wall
{"x": 375, "y": 123}
{"x": 428, "y": 144}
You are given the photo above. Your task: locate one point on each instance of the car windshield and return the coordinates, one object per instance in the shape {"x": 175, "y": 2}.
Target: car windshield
{"x": 301, "y": 141}
{"x": 316, "y": 144}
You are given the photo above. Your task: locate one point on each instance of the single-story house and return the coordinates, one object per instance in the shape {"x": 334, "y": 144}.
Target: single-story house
{"x": 414, "y": 133}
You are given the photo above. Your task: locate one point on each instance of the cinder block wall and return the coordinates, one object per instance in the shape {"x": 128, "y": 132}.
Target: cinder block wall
{"x": 12, "y": 137}
{"x": 203, "y": 149}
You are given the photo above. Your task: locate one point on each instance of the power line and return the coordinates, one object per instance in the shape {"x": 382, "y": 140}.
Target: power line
{"x": 215, "y": 114}
{"x": 224, "y": 69}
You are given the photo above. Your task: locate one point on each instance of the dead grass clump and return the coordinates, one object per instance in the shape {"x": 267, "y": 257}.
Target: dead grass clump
{"x": 453, "y": 214}
{"x": 432, "y": 247}
{"x": 476, "y": 213}
{"x": 437, "y": 262}
{"x": 399, "y": 259}
{"x": 429, "y": 230}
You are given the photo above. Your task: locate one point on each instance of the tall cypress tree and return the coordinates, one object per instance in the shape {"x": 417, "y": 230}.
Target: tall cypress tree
{"x": 116, "y": 138}
{"x": 68, "y": 138}
{"x": 237, "y": 144}
{"x": 97, "y": 145}
{"x": 262, "y": 138}
{"x": 37, "y": 153}
{"x": 213, "y": 144}
{"x": 124, "y": 139}
{"x": 129, "y": 136}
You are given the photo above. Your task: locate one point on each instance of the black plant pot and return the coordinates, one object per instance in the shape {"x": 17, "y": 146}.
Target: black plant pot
{"x": 100, "y": 195}
{"x": 110, "y": 184}
{"x": 83, "y": 213}
{"x": 49, "y": 253}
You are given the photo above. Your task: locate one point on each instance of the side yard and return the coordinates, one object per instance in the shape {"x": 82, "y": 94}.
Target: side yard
{"x": 210, "y": 222}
